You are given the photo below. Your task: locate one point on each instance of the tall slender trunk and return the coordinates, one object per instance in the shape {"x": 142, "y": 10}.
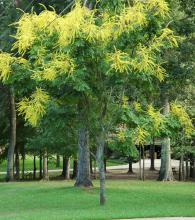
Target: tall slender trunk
{"x": 91, "y": 165}
{"x": 12, "y": 140}
{"x": 95, "y": 170}
{"x": 83, "y": 171}
{"x": 66, "y": 167}
{"x": 192, "y": 166}
{"x": 180, "y": 169}
{"x": 67, "y": 175}
{"x": 187, "y": 169}
{"x": 74, "y": 169}
{"x": 183, "y": 168}
{"x": 140, "y": 163}
{"x": 40, "y": 166}
{"x": 100, "y": 161}
{"x": 130, "y": 170}
{"x": 23, "y": 164}
{"x": 35, "y": 167}
{"x": 166, "y": 173}
{"x": 152, "y": 155}
{"x": 143, "y": 164}
{"x": 45, "y": 166}
{"x": 57, "y": 161}
{"x": 17, "y": 162}
{"x": 63, "y": 166}
{"x": 105, "y": 168}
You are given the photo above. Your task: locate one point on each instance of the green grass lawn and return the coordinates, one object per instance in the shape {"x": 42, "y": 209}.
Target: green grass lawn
{"x": 125, "y": 199}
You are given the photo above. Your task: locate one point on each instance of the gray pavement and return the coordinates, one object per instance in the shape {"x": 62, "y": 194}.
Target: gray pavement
{"x": 175, "y": 163}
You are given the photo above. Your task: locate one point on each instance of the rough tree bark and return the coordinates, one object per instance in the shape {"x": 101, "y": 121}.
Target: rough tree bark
{"x": 83, "y": 169}
{"x": 100, "y": 161}
{"x": 12, "y": 140}
{"x": 83, "y": 166}
{"x": 166, "y": 173}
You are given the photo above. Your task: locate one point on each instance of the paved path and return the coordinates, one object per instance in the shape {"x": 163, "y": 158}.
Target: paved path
{"x": 175, "y": 163}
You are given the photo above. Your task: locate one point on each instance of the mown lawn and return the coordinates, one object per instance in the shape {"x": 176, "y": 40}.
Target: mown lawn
{"x": 125, "y": 199}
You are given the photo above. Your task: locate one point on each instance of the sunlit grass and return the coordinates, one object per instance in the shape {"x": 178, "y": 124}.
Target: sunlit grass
{"x": 125, "y": 199}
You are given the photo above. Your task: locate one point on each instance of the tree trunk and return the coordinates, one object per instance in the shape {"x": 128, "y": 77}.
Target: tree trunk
{"x": 57, "y": 161}
{"x": 143, "y": 164}
{"x": 23, "y": 165}
{"x": 83, "y": 171}
{"x": 140, "y": 163}
{"x": 95, "y": 170}
{"x": 66, "y": 167}
{"x": 45, "y": 166}
{"x": 40, "y": 166}
{"x": 183, "y": 169}
{"x": 187, "y": 169}
{"x": 12, "y": 140}
{"x": 152, "y": 157}
{"x": 35, "y": 168}
{"x": 192, "y": 166}
{"x": 63, "y": 166}
{"x": 130, "y": 171}
{"x": 105, "y": 170}
{"x": 17, "y": 163}
{"x": 166, "y": 173}
{"x": 100, "y": 161}
{"x": 91, "y": 165}
{"x": 180, "y": 169}
{"x": 67, "y": 175}
{"x": 74, "y": 169}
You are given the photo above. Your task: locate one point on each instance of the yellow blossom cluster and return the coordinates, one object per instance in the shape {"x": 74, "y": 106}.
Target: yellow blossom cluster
{"x": 119, "y": 61}
{"x": 6, "y": 60}
{"x": 156, "y": 117}
{"x": 140, "y": 136}
{"x": 34, "y": 107}
{"x": 121, "y": 133}
{"x": 5, "y": 65}
{"x": 145, "y": 62}
{"x": 160, "y": 7}
{"x": 59, "y": 64}
{"x": 179, "y": 112}
{"x": 124, "y": 102}
{"x": 137, "y": 106}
